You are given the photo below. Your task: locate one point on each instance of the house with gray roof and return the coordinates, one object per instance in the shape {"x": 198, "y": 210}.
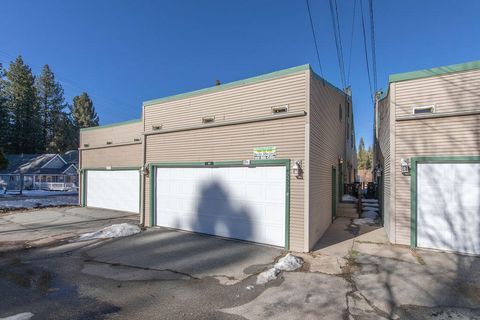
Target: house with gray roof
{"x": 40, "y": 171}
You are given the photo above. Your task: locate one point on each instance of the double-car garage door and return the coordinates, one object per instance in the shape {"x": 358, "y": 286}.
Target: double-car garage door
{"x": 448, "y": 206}
{"x": 242, "y": 202}
{"x": 113, "y": 189}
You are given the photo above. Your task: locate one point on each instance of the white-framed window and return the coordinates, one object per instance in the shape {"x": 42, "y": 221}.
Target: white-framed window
{"x": 423, "y": 109}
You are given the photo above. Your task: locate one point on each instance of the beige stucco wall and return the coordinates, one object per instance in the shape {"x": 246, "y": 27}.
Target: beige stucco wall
{"x": 235, "y": 142}
{"x": 449, "y": 136}
{"x": 327, "y": 144}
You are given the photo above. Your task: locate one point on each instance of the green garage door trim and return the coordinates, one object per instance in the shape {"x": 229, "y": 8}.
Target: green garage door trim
{"x": 253, "y": 163}
{"x": 84, "y": 182}
{"x": 413, "y": 186}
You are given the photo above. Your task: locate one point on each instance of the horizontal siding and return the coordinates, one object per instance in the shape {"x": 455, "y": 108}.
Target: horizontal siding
{"x": 384, "y": 150}
{"x": 327, "y": 145}
{"x": 119, "y": 156}
{"x": 449, "y": 92}
{"x": 453, "y": 136}
{"x": 247, "y": 101}
{"x": 236, "y": 142}
{"x": 125, "y": 133}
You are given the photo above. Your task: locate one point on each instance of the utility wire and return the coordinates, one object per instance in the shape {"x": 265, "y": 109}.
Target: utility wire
{"x": 351, "y": 41}
{"x": 366, "y": 51}
{"x": 374, "y": 56}
{"x": 338, "y": 39}
{"x": 314, "y": 38}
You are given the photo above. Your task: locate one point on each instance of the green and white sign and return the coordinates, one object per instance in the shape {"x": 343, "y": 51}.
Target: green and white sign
{"x": 264, "y": 153}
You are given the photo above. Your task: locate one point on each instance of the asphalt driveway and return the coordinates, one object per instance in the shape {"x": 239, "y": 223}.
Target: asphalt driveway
{"x": 33, "y": 228}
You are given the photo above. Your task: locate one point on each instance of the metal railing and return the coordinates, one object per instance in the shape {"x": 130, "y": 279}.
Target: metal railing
{"x": 56, "y": 186}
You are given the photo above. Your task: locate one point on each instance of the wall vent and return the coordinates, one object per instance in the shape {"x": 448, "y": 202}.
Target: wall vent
{"x": 423, "y": 109}
{"x": 109, "y": 142}
{"x": 156, "y": 127}
{"x": 86, "y": 145}
{"x": 280, "y": 109}
{"x": 208, "y": 119}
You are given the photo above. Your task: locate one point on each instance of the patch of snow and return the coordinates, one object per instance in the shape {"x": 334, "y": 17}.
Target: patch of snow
{"x": 360, "y": 221}
{"x": 289, "y": 263}
{"x": 113, "y": 231}
{"x": 370, "y": 214}
{"x": 268, "y": 275}
{"x": 347, "y": 197}
{"x": 249, "y": 287}
{"x": 368, "y": 208}
{"x": 20, "y": 316}
{"x": 370, "y": 200}
{"x": 38, "y": 203}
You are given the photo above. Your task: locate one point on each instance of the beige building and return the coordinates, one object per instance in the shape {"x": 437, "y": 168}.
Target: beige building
{"x": 428, "y": 158}
{"x": 263, "y": 159}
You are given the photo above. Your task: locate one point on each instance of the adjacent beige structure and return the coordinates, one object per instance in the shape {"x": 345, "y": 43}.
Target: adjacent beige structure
{"x": 304, "y": 123}
{"x": 430, "y": 120}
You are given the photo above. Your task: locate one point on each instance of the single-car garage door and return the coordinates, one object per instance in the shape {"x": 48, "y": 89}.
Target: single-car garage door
{"x": 246, "y": 203}
{"x": 448, "y": 206}
{"x": 113, "y": 189}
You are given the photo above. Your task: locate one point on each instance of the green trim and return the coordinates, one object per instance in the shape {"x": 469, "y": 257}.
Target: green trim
{"x": 84, "y": 182}
{"x": 229, "y": 85}
{"x": 112, "y": 125}
{"x": 413, "y": 186}
{"x": 472, "y": 65}
{"x": 279, "y": 162}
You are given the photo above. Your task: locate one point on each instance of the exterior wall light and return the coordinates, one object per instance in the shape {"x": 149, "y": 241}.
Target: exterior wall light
{"x": 144, "y": 171}
{"x": 297, "y": 169}
{"x": 405, "y": 166}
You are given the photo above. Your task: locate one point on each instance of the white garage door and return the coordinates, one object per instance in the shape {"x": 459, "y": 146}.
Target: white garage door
{"x": 448, "y": 206}
{"x": 115, "y": 190}
{"x": 235, "y": 202}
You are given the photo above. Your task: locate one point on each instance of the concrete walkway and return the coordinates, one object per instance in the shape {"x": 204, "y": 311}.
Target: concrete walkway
{"x": 25, "y": 229}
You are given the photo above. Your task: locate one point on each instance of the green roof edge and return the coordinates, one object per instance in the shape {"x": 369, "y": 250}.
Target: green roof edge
{"x": 112, "y": 125}
{"x": 460, "y": 67}
{"x": 229, "y": 85}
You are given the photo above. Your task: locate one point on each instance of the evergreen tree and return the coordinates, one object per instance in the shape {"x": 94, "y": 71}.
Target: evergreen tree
{"x": 4, "y": 112}
{"x": 3, "y": 160}
{"x": 83, "y": 114}
{"x": 52, "y": 111}
{"x": 25, "y": 133}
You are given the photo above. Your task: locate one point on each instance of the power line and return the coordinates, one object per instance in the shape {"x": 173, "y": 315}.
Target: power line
{"x": 314, "y": 38}
{"x": 351, "y": 41}
{"x": 374, "y": 56}
{"x": 338, "y": 39}
{"x": 366, "y": 50}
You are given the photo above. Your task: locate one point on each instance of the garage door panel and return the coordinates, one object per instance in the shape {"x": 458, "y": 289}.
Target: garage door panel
{"x": 114, "y": 190}
{"x": 238, "y": 202}
{"x": 448, "y": 206}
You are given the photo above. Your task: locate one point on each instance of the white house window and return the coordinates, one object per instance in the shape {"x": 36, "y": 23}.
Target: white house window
{"x": 423, "y": 109}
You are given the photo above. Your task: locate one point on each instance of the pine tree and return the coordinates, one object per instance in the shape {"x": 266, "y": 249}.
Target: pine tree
{"x": 52, "y": 108}
{"x": 3, "y": 160}
{"x": 83, "y": 114}
{"x": 4, "y": 112}
{"x": 361, "y": 155}
{"x": 25, "y": 133}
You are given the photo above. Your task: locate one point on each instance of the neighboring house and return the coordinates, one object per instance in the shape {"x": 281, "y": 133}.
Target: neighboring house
{"x": 40, "y": 171}
{"x": 428, "y": 158}
{"x": 263, "y": 159}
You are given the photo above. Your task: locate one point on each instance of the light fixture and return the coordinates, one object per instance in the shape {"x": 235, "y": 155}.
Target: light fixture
{"x": 144, "y": 170}
{"x": 405, "y": 166}
{"x": 297, "y": 169}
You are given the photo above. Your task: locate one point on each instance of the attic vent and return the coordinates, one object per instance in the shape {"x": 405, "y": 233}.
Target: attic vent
{"x": 109, "y": 142}
{"x": 86, "y": 145}
{"x": 136, "y": 139}
{"x": 157, "y": 127}
{"x": 208, "y": 119}
{"x": 423, "y": 109}
{"x": 280, "y": 109}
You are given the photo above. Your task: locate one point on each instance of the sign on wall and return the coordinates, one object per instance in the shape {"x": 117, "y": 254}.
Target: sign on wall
{"x": 264, "y": 153}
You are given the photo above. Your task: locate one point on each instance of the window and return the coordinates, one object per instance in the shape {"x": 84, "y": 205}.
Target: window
{"x": 340, "y": 112}
{"x": 423, "y": 109}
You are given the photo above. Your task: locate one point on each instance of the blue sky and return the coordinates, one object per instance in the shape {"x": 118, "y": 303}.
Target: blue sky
{"x": 126, "y": 52}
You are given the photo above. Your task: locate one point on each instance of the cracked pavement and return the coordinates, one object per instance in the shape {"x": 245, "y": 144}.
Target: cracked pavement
{"x": 165, "y": 274}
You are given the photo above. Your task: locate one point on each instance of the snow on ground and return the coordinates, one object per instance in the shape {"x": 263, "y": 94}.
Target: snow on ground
{"x": 368, "y": 208}
{"x": 113, "y": 231}
{"x": 20, "y": 316}
{"x": 364, "y": 221}
{"x": 370, "y": 200}
{"x": 39, "y": 202}
{"x": 289, "y": 263}
{"x": 347, "y": 197}
{"x": 36, "y": 193}
{"x": 370, "y": 214}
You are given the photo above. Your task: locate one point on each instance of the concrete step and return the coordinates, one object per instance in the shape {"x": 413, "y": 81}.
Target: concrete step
{"x": 347, "y": 212}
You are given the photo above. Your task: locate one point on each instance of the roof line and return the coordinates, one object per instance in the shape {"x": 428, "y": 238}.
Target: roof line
{"x": 460, "y": 67}
{"x": 229, "y": 85}
{"x": 112, "y": 125}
